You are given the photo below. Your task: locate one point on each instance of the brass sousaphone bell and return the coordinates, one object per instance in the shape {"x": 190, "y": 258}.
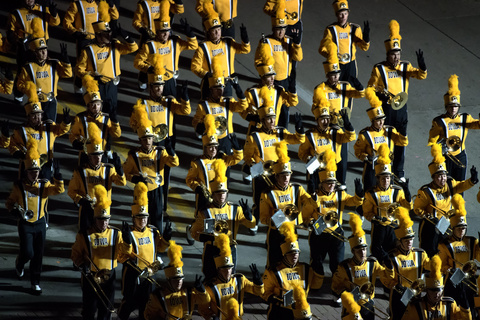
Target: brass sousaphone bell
{"x": 160, "y": 132}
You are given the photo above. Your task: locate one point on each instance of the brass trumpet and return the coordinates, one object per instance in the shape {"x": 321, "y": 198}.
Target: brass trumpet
{"x": 160, "y": 131}
{"x": 397, "y": 101}
{"x": 331, "y": 219}
{"x": 291, "y": 15}
{"x": 221, "y": 125}
{"x": 24, "y": 214}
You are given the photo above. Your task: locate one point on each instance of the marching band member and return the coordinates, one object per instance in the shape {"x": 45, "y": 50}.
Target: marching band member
{"x": 329, "y": 199}
{"x": 380, "y": 205}
{"x": 175, "y": 300}
{"x": 28, "y": 202}
{"x": 146, "y": 242}
{"x": 286, "y": 52}
{"x": 227, "y": 284}
{"x": 146, "y": 164}
{"x": 434, "y": 305}
{"x": 216, "y": 45}
{"x": 287, "y": 274}
{"x": 227, "y": 215}
{"x": 360, "y": 269}
{"x": 226, "y": 10}
{"x": 370, "y": 138}
{"x": 91, "y": 173}
{"x": 408, "y": 263}
{"x": 294, "y": 11}
{"x": 453, "y": 125}
{"x": 391, "y": 77}
{"x": 280, "y": 195}
{"x": 347, "y": 36}
{"x": 434, "y": 200}
{"x": 44, "y": 72}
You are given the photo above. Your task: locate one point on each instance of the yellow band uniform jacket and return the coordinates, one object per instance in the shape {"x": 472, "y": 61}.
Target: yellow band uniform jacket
{"x": 431, "y": 194}
{"x": 284, "y": 52}
{"x": 226, "y": 9}
{"x": 178, "y": 304}
{"x": 276, "y": 199}
{"x": 149, "y": 10}
{"x": 44, "y": 76}
{"x": 445, "y": 127}
{"x": 411, "y": 265}
{"x": 376, "y": 198}
{"x": 45, "y": 137}
{"x": 447, "y": 308}
{"x": 370, "y": 139}
{"x": 347, "y": 39}
{"x": 318, "y": 141}
{"x": 146, "y": 244}
{"x": 201, "y": 169}
{"x": 170, "y": 50}
{"x": 260, "y": 145}
{"x": 278, "y": 95}
{"x": 151, "y": 164}
{"x": 226, "y": 48}
{"x": 162, "y": 112}
{"x": 229, "y": 212}
{"x": 85, "y": 178}
{"x": 81, "y": 14}
{"x": 291, "y": 6}
{"x": 460, "y": 250}
{"x": 20, "y": 21}
{"x": 103, "y": 248}
{"x": 394, "y": 79}
{"x": 335, "y": 201}
{"x": 103, "y": 61}
{"x": 103, "y": 122}
{"x": 220, "y": 292}
{"x": 34, "y": 196}
{"x": 348, "y": 271}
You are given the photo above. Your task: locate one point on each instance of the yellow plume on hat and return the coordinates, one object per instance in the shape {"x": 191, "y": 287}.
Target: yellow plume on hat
{"x": 266, "y": 54}
{"x": 32, "y": 150}
{"x": 37, "y": 28}
{"x": 300, "y": 297}
{"x": 280, "y": 9}
{"x": 330, "y": 159}
{"x": 349, "y": 303}
{"x": 90, "y": 84}
{"x": 217, "y": 71}
{"x": 282, "y": 151}
{"x": 264, "y": 94}
{"x": 175, "y": 254}
{"x": 394, "y": 27}
{"x": 356, "y": 225}
{"x": 453, "y": 85}
{"x": 458, "y": 203}
{"x": 319, "y": 98}
{"x": 372, "y": 97}
{"x": 332, "y": 49}
{"x": 437, "y": 154}
{"x": 222, "y": 242}
{"x": 436, "y": 267}
{"x": 384, "y": 154}
{"x": 94, "y": 134}
{"x": 156, "y": 60}
{"x": 143, "y": 121}
{"x": 404, "y": 218}
{"x": 220, "y": 170}
{"x": 232, "y": 309}
{"x": 208, "y": 9}
{"x": 209, "y": 121}
{"x": 287, "y": 229}
{"x": 103, "y": 202}
{"x": 103, "y": 9}
{"x": 165, "y": 10}
{"x": 31, "y": 91}
{"x": 140, "y": 195}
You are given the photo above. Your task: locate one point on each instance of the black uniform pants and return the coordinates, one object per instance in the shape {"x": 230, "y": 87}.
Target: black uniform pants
{"x": 324, "y": 244}
{"x": 225, "y": 145}
{"x": 108, "y": 92}
{"x": 135, "y": 293}
{"x": 396, "y": 118}
{"x": 276, "y": 312}
{"x": 429, "y": 238}
{"x": 91, "y": 301}
{"x": 383, "y": 240}
{"x": 166, "y": 172}
{"x": 22, "y": 58}
{"x": 155, "y": 207}
{"x": 284, "y": 117}
{"x": 397, "y": 308}
{"x": 369, "y": 179}
{"x": 50, "y": 109}
{"x": 208, "y": 260}
{"x": 456, "y": 172}
{"x": 368, "y": 314}
{"x": 348, "y": 70}
{"x": 274, "y": 252}
{"x": 342, "y": 166}
{"x": 85, "y": 219}
{"x": 32, "y": 242}
{"x": 259, "y": 185}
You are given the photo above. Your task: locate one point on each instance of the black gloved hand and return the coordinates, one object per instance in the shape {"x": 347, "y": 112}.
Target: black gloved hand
{"x": 474, "y": 175}
{"x": 356, "y": 83}
{"x": 77, "y": 144}
{"x": 111, "y": 3}
{"x": 198, "y": 285}
{"x": 257, "y": 278}
{"x": 347, "y": 125}
{"x": 8, "y": 73}
{"x": 359, "y": 188}
{"x": 4, "y": 128}
{"x": 296, "y": 37}
{"x": 52, "y": 7}
{"x": 84, "y": 202}
{"x": 253, "y": 117}
{"x": 79, "y": 36}
{"x": 366, "y": 31}
{"x": 64, "y": 53}
{"x": 167, "y": 231}
{"x": 117, "y": 163}
{"x": 67, "y": 119}
{"x": 247, "y": 211}
{"x": 238, "y": 90}
{"x": 138, "y": 178}
{"x": 292, "y": 81}
{"x": 144, "y": 32}
{"x": 421, "y": 60}
{"x": 113, "y": 117}
{"x": 406, "y": 190}
{"x": 185, "y": 90}
{"x": 298, "y": 123}
{"x": 169, "y": 147}
{"x": 126, "y": 234}
{"x": 122, "y": 33}
{"x": 234, "y": 141}
{"x": 57, "y": 175}
{"x": 244, "y": 34}
{"x": 186, "y": 28}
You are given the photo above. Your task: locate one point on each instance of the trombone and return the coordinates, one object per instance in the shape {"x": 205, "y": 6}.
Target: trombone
{"x": 366, "y": 290}
{"x": 397, "y": 101}
{"x": 390, "y": 215}
{"x": 331, "y": 219}
{"x": 268, "y": 171}
{"x": 452, "y": 144}
{"x": 447, "y": 214}
{"x": 417, "y": 286}
{"x": 146, "y": 273}
{"x": 469, "y": 270}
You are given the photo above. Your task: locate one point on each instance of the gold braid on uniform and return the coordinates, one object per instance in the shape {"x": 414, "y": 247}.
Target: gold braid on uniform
{"x": 175, "y": 254}
{"x": 103, "y": 202}
{"x": 394, "y": 30}
{"x": 103, "y": 14}
{"x": 232, "y": 309}
{"x": 349, "y": 303}
{"x": 140, "y": 196}
{"x": 372, "y": 97}
{"x": 37, "y": 28}
{"x": 31, "y": 91}
{"x": 90, "y": 84}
